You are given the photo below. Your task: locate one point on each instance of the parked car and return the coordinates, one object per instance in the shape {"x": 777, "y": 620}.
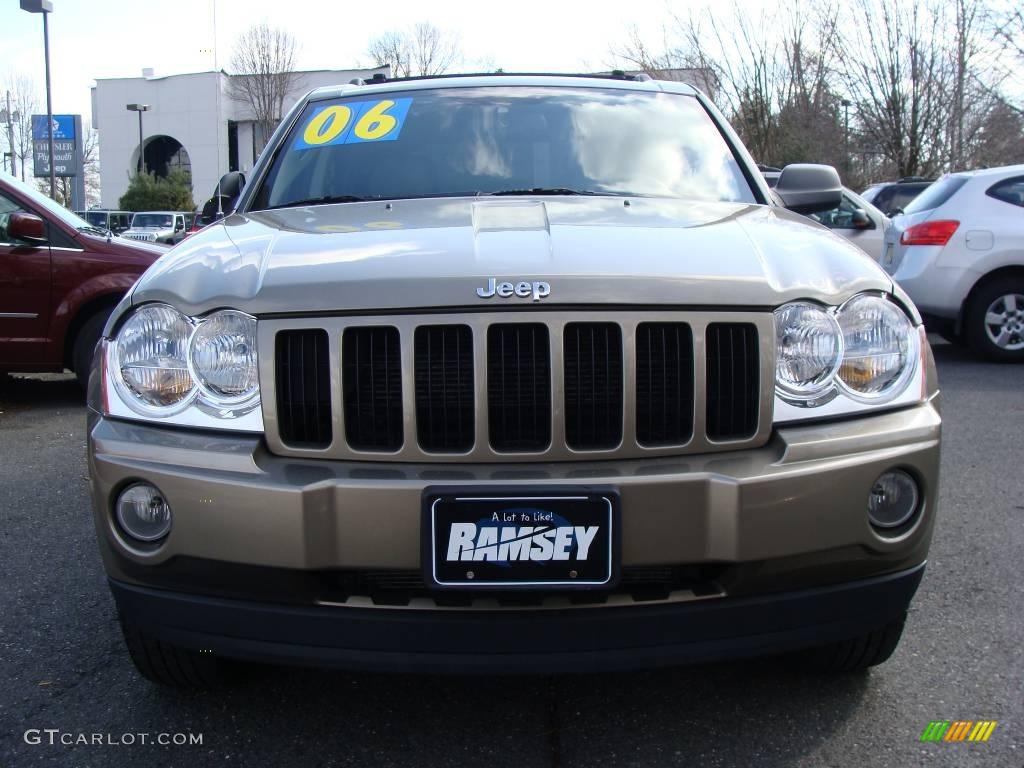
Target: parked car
{"x": 513, "y": 373}
{"x": 958, "y": 250}
{"x": 771, "y": 174}
{"x": 114, "y": 221}
{"x": 854, "y": 218}
{"x": 859, "y": 222}
{"x": 158, "y": 227}
{"x": 892, "y": 197}
{"x": 59, "y": 279}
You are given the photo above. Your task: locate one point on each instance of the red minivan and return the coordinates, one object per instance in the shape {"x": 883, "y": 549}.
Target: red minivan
{"x": 59, "y": 279}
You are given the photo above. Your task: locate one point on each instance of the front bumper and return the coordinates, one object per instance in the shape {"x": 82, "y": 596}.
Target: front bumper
{"x": 777, "y": 539}
{"x": 519, "y": 641}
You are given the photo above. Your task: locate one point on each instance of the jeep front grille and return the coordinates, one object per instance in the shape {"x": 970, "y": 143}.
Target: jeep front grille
{"x": 664, "y": 383}
{"x": 732, "y": 381}
{"x": 371, "y": 380}
{"x": 444, "y": 388}
{"x": 517, "y": 385}
{"x": 304, "y": 387}
{"x": 593, "y": 386}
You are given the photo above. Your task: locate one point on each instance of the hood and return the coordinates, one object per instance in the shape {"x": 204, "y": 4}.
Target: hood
{"x": 129, "y": 251}
{"x": 411, "y": 254}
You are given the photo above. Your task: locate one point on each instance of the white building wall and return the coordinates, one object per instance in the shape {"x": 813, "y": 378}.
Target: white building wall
{"x": 194, "y": 109}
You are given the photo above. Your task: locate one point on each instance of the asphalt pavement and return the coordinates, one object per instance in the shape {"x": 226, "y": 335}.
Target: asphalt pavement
{"x": 63, "y": 665}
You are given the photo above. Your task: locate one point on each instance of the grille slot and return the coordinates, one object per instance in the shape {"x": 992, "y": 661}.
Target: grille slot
{"x": 733, "y": 381}
{"x": 593, "y": 385}
{"x": 664, "y": 384}
{"x": 519, "y": 387}
{"x": 302, "y": 363}
{"x": 372, "y": 388}
{"x": 444, "y": 388}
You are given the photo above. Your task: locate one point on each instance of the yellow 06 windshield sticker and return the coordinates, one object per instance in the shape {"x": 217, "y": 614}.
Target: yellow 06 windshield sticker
{"x": 353, "y": 123}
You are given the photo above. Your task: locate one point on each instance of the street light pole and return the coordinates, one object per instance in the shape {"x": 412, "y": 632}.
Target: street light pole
{"x": 846, "y": 133}
{"x": 45, "y": 7}
{"x": 140, "y": 108}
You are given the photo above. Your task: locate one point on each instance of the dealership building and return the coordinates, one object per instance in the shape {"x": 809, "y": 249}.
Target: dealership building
{"x": 192, "y": 123}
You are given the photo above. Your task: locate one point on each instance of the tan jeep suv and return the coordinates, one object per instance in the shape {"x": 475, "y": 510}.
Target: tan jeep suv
{"x": 513, "y": 373}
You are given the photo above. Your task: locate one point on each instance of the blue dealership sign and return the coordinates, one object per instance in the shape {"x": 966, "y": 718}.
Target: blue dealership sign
{"x": 63, "y": 127}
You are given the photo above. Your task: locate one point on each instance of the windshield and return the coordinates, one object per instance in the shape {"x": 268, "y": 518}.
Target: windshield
{"x": 935, "y": 195}
{"x": 96, "y": 218}
{"x": 49, "y": 206}
{"x": 152, "y": 220}
{"x": 511, "y": 140}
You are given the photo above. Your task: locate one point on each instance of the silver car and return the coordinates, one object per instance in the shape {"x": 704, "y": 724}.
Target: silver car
{"x": 513, "y": 373}
{"x": 958, "y": 250}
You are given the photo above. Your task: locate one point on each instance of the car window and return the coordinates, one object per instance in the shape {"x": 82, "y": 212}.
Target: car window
{"x": 96, "y": 218}
{"x": 152, "y": 220}
{"x": 883, "y": 199}
{"x": 468, "y": 141}
{"x": 840, "y": 217}
{"x": 936, "y": 194}
{"x": 1009, "y": 191}
{"x": 870, "y": 193}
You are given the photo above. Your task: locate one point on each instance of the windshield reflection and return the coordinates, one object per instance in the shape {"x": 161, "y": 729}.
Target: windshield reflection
{"x": 478, "y": 141}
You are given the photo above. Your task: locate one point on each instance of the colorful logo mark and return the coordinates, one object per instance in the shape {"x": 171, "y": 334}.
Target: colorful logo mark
{"x": 958, "y": 730}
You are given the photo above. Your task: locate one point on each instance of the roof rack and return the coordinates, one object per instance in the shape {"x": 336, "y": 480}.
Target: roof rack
{"x": 615, "y": 74}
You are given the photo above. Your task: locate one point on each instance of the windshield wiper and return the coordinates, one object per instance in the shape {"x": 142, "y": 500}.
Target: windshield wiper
{"x": 544, "y": 191}
{"x": 322, "y": 200}
{"x": 98, "y": 230}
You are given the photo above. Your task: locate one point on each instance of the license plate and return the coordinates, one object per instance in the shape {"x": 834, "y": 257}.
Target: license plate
{"x": 499, "y": 540}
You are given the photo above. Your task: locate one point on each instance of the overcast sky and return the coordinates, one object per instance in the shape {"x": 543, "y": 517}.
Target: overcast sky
{"x": 92, "y": 39}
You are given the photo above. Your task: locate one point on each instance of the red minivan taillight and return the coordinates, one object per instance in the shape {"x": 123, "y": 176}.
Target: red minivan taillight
{"x": 930, "y": 233}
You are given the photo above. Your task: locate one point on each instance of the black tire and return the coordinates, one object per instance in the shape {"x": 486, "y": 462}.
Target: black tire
{"x": 85, "y": 345}
{"x": 855, "y": 654}
{"x": 169, "y": 665}
{"x": 975, "y": 328}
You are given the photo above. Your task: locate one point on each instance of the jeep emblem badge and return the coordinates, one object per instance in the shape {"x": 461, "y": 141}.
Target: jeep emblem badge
{"x": 538, "y": 289}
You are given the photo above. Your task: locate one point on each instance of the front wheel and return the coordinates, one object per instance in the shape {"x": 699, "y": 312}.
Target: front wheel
{"x": 170, "y": 665}
{"x": 85, "y": 345}
{"x": 855, "y": 654}
{"x": 994, "y": 321}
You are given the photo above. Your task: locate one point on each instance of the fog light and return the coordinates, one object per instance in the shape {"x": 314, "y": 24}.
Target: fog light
{"x": 143, "y": 513}
{"x": 893, "y": 499}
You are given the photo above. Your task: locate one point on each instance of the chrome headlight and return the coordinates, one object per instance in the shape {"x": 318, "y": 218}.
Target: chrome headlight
{"x": 880, "y": 348}
{"x": 172, "y": 369}
{"x": 809, "y": 350}
{"x": 222, "y": 357}
{"x": 152, "y": 360}
{"x": 834, "y": 361}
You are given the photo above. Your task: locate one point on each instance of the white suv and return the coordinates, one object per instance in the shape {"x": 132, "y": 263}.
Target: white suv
{"x": 958, "y": 250}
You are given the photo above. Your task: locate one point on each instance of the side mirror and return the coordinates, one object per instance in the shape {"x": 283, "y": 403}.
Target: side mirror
{"x": 806, "y": 188}
{"x": 861, "y": 220}
{"x": 232, "y": 184}
{"x": 27, "y": 226}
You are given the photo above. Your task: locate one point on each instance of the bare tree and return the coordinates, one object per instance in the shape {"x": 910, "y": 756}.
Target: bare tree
{"x": 91, "y": 164}
{"x": 1007, "y": 29}
{"x": 23, "y": 102}
{"x": 420, "y": 50}
{"x": 896, "y": 69}
{"x": 769, "y": 72}
{"x": 263, "y": 65}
